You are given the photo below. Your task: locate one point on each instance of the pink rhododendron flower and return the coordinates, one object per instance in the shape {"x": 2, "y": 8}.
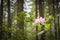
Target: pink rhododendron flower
{"x": 37, "y": 20}
{"x": 40, "y": 20}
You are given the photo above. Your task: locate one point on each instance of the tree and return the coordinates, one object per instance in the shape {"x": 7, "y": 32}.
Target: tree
{"x": 20, "y": 9}
{"x": 1, "y": 19}
{"x": 36, "y": 3}
{"x": 20, "y": 21}
{"x": 9, "y": 18}
{"x": 41, "y": 13}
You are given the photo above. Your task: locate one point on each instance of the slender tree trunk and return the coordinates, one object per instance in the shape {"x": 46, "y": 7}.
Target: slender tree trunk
{"x": 20, "y": 9}
{"x": 58, "y": 22}
{"x": 9, "y": 19}
{"x": 54, "y": 13}
{"x": 1, "y": 19}
{"x": 57, "y": 12}
{"x": 41, "y": 9}
{"x": 21, "y": 23}
{"x": 41, "y": 12}
{"x": 36, "y": 17}
{"x": 20, "y": 5}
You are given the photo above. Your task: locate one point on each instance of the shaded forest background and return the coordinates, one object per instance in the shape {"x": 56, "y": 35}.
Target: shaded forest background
{"x": 17, "y": 18}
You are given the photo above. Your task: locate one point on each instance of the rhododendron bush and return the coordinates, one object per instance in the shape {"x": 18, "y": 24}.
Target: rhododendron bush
{"x": 42, "y": 22}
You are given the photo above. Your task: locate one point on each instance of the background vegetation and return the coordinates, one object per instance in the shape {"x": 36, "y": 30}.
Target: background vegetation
{"x": 17, "y": 19}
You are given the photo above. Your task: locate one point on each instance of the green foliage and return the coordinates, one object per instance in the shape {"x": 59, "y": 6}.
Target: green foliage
{"x": 47, "y": 26}
{"x": 21, "y": 16}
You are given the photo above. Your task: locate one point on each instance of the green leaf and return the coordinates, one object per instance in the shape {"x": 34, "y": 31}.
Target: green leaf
{"x": 47, "y": 26}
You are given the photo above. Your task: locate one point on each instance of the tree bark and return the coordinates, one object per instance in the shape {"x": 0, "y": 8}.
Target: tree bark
{"x": 9, "y": 19}
{"x": 41, "y": 9}
{"x": 21, "y": 23}
{"x": 1, "y": 19}
{"x": 36, "y": 3}
{"x": 54, "y": 13}
{"x": 20, "y": 5}
{"x": 20, "y": 9}
{"x": 41, "y": 13}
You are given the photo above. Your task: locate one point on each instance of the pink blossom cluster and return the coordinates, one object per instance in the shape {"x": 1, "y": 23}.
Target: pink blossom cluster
{"x": 40, "y": 20}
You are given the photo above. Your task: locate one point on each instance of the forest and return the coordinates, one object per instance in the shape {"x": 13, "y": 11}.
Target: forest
{"x": 29, "y": 19}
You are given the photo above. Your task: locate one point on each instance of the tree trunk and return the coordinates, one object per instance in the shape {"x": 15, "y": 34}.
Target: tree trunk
{"x": 20, "y": 9}
{"x": 20, "y": 5}
{"x": 21, "y": 22}
{"x": 9, "y": 19}
{"x": 36, "y": 3}
{"x": 54, "y": 13}
{"x": 41, "y": 13}
{"x": 57, "y": 12}
{"x": 41, "y": 9}
{"x": 1, "y": 19}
